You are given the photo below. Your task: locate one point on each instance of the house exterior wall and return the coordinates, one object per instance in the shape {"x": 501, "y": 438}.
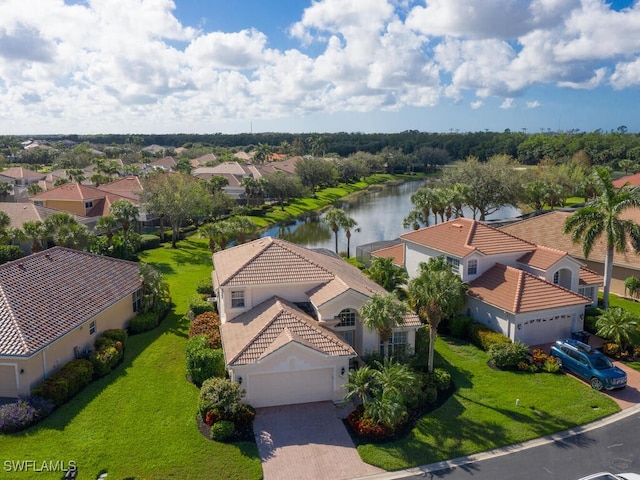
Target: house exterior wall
{"x": 51, "y": 358}
{"x": 293, "y": 358}
{"x": 495, "y": 318}
{"x": 77, "y": 208}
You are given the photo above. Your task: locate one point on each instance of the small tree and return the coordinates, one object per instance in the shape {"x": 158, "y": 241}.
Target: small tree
{"x": 619, "y": 326}
{"x": 383, "y": 313}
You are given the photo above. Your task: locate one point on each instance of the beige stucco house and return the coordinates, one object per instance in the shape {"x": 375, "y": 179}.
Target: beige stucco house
{"x": 53, "y": 306}
{"x": 290, "y": 321}
{"x": 529, "y": 293}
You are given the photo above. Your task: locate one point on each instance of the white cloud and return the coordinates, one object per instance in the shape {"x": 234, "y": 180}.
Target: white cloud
{"x": 116, "y": 65}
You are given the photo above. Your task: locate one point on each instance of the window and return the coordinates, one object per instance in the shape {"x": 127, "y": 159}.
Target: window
{"x": 586, "y": 291}
{"x": 397, "y": 344}
{"x": 137, "y": 300}
{"x": 347, "y": 318}
{"x": 237, "y": 298}
{"x": 349, "y": 337}
{"x": 556, "y": 277}
{"x": 454, "y": 263}
{"x": 472, "y": 267}
{"x": 88, "y": 204}
{"x": 92, "y": 328}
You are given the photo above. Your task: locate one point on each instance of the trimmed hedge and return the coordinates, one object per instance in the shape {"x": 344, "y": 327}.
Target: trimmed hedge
{"x": 117, "y": 334}
{"x": 198, "y": 306}
{"x": 208, "y": 324}
{"x": 222, "y": 430}
{"x": 144, "y": 322}
{"x": 149, "y": 242}
{"x": 205, "y": 286}
{"x": 202, "y": 361}
{"x": 66, "y": 382}
{"x": 508, "y": 355}
{"x": 483, "y": 337}
{"x": 460, "y": 327}
{"x": 439, "y": 379}
{"x": 107, "y": 355}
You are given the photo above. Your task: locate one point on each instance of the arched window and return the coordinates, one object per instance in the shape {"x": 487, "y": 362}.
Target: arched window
{"x": 347, "y": 318}
{"x": 556, "y": 277}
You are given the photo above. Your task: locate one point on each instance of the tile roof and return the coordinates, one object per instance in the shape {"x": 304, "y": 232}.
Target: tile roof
{"x": 167, "y": 162}
{"x": 47, "y": 294}
{"x": 547, "y": 230}
{"x": 22, "y": 174}
{"x": 589, "y": 277}
{"x": 394, "y": 252}
{"x": 232, "y": 168}
{"x": 28, "y": 212}
{"x": 542, "y": 258}
{"x": 517, "y": 291}
{"x": 463, "y": 236}
{"x": 270, "y": 326}
{"x": 130, "y": 187}
{"x": 70, "y": 191}
{"x": 632, "y": 180}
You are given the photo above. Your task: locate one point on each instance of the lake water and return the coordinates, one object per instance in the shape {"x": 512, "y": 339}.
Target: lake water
{"x": 379, "y": 213}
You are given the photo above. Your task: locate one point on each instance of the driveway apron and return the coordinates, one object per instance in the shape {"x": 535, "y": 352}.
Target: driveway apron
{"x": 307, "y": 441}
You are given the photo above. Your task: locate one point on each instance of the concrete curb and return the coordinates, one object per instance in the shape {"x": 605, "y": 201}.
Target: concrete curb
{"x": 456, "y": 462}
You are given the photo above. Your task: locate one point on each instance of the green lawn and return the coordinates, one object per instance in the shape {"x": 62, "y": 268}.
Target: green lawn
{"x": 140, "y": 421}
{"x": 482, "y": 413}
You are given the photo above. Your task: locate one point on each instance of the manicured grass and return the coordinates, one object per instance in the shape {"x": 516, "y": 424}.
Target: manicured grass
{"x": 140, "y": 420}
{"x": 629, "y": 305}
{"x": 482, "y": 413}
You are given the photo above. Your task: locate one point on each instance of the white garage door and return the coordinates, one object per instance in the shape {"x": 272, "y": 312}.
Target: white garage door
{"x": 8, "y": 387}
{"x": 269, "y": 389}
{"x": 537, "y": 333}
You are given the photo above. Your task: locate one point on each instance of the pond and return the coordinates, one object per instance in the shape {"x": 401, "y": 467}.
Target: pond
{"x": 379, "y": 212}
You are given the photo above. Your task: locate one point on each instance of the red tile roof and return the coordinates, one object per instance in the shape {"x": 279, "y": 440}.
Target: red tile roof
{"x": 20, "y": 173}
{"x": 517, "y": 291}
{"x": 394, "y": 252}
{"x": 632, "y": 180}
{"x": 463, "y": 236}
{"x": 47, "y": 294}
{"x": 270, "y": 326}
{"x": 130, "y": 187}
{"x": 542, "y": 258}
{"x": 589, "y": 277}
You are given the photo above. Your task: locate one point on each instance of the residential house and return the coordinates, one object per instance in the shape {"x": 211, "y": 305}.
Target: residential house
{"x": 168, "y": 164}
{"x": 630, "y": 180}
{"x": 529, "y": 293}
{"x": 234, "y": 172}
{"x": 548, "y": 229}
{"x": 54, "y": 305}
{"x": 290, "y": 321}
{"x": 203, "y": 160}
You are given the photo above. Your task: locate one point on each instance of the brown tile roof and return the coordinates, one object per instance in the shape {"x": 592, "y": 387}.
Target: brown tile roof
{"x": 394, "y": 252}
{"x": 632, "y": 180}
{"x": 28, "y": 212}
{"x": 70, "y": 191}
{"x": 542, "y": 258}
{"x": 20, "y": 173}
{"x": 46, "y": 295}
{"x": 463, "y": 236}
{"x": 589, "y": 277}
{"x": 270, "y": 326}
{"x": 130, "y": 187}
{"x": 168, "y": 162}
{"x": 517, "y": 291}
{"x": 547, "y": 230}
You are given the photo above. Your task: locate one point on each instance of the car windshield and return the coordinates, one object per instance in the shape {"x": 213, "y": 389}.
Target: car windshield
{"x": 601, "y": 363}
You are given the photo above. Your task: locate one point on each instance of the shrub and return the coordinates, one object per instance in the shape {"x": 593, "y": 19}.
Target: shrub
{"x": 366, "y": 427}
{"x": 460, "y": 326}
{"x": 117, "y": 334}
{"x": 430, "y": 395}
{"x": 9, "y": 253}
{"x": 149, "y": 242}
{"x": 508, "y": 355}
{"x": 243, "y": 416}
{"x": 208, "y": 324}
{"x": 590, "y": 323}
{"x": 222, "y": 430}
{"x": 205, "y": 286}
{"x": 143, "y": 322}
{"x": 551, "y": 365}
{"x": 22, "y": 414}
{"x": 483, "y": 337}
{"x": 212, "y": 416}
{"x": 440, "y": 379}
{"x": 198, "y": 306}
{"x": 66, "y": 382}
{"x": 106, "y": 358}
{"x": 611, "y": 349}
{"x": 203, "y": 361}
{"x": 221, "y": 394}
{"x": 592, "y": 311}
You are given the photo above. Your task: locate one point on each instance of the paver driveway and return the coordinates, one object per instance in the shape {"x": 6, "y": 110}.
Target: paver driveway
{"x": 307, "y": 441}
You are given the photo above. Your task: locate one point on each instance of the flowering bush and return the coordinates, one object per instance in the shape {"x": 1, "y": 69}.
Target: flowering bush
{"x": 207, "y": 323}
{"x": 212, "y": 416}
{"x": 23, "y": 413}
{"x": 366, "y": 427}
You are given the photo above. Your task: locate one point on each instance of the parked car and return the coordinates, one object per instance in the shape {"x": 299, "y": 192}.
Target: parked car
{"x": 588, "y": 363}
{"x": 611, "y": 476}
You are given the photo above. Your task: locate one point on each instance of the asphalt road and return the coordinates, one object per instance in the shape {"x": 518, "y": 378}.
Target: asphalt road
{"x": 614, "y": 447}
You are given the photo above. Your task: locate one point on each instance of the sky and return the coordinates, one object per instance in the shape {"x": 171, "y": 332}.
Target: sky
{"x": 237, "y": 66}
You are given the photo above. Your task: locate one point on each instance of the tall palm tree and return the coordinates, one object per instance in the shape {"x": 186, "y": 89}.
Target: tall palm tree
{"x": 383, "y": 313}
{"x": 436, "y": 293}
{"x": 108, "y": 225}
{"x": 37, "y": 232}
{"x": 126, "y": 214}
{"x": 334, "y": 218}
{"x": 601, "y": 217}
{"x": 348, "y": 224}
{"x": 386, "y": 274}
{"x": 262, "y": 153}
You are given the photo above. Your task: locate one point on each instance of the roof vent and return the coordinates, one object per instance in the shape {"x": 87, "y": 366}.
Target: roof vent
{"x": 48, "y": 255}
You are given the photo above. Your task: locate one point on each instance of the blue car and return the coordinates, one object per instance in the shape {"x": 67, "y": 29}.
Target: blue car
{"x": 588, "y": 363}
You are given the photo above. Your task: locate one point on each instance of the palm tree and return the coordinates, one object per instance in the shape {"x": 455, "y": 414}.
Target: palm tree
{"x": 362, "y": 384}
{"x": 213, "y": 234}
{"x": 386, "y": 274}
{"x": 601, "y": 217}
{"x": 347, "y": 224}
{"x": 108, "y": 225}
{"x": 6, "y": 189}
{"x": 126, "y": 214}
{"x": 619, "y": 326}
{"x": 383, "y": 313}
{"x": 262, "y": 153}
{"x": 334, "y": 218}
{"x": 34, "y": 189}
{"x": 436, "y": 293}
{"x": 37, "y": 232}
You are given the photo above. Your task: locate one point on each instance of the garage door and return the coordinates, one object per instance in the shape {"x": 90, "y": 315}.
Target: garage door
{"x": 548, "y": 331}
{"x": 8, "y": 387}
{"x": 269, "y": 389}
